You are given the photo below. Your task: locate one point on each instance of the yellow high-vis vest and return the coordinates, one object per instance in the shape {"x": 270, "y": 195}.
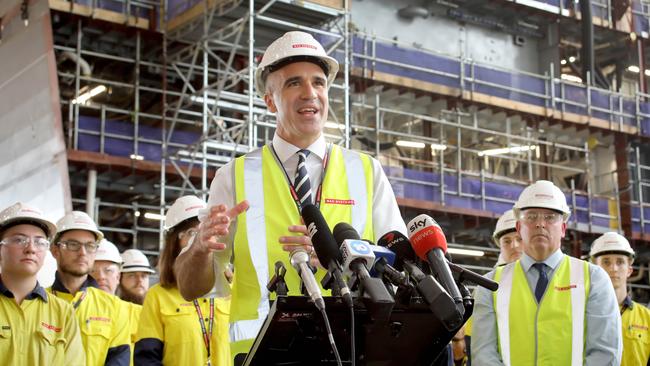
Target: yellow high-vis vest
{"x": 347, "y": 196}
{"x": 551, "y": 333}
{"x": 636, "y": 335}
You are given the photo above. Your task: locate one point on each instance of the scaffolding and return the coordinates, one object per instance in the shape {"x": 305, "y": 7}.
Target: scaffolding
{"x": 187, "y": 104}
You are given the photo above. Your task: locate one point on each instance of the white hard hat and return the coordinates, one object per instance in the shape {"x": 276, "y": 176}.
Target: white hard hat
{"x": 507, "y": 222}
{"x": 293, "y": 47}
{"x": 183, "y": 208}
{"x": 22, "y": 213}
{"x": 542, "y": 194}
{"x": 611, "y": 243}
{"x": 107, "y": 251}
{"x": 78, "y": 220}
{"x": 135, "y": 261}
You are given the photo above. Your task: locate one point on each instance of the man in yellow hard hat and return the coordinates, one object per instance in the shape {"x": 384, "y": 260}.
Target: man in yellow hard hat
{"x": 613, "y": 253}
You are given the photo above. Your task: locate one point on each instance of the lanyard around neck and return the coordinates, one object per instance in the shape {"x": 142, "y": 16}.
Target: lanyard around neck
{"x": 207, "y": 333}
{"x": 294, "y": 195}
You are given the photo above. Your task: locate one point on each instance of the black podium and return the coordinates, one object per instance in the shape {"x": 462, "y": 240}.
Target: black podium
{"x": 294, "y": 334}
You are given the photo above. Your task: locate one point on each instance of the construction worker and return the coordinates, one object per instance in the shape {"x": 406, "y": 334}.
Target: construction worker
{"x": 35, "y": 328}
{"x": 102, "y": 318}
{"x": 297, "y": 168}
{"x": 507, "y": 239}
{"x": 550, "y": 309}
{"x": 106, "y": 269}
{"x": 174, "y": 331}
{"x": 613, "y": 253}
{"x": 134, "y": 282}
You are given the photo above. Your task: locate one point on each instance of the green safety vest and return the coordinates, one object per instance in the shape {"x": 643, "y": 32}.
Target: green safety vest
{"x": 347, "y": 196}
{"x": 549, "y": 333}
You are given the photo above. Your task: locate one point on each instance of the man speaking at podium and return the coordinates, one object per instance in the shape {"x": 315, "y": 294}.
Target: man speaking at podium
{"x": 255, "y": 201}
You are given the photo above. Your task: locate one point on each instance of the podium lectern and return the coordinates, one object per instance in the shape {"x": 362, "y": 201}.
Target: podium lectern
{"x": 294, "y": 334}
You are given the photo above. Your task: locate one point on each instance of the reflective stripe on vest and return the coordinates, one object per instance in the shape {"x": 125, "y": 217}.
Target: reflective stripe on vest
{"x": 543, "y": 327}
{"x": 262, "y": 182}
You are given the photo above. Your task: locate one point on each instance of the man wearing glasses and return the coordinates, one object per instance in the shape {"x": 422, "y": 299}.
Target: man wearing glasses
{"x": 103, "y": 321}
{"x": 550, "y": 309}
{"x": 34, "y": 328}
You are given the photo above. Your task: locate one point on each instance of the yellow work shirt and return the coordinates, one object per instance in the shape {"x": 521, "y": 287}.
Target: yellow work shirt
{"x": 103, "y": 321}
{"x": 636, "y": 339}
{"x": 42, "y": 330}
{"x": 134, "y": 319}
{"x": 170, "y": 332}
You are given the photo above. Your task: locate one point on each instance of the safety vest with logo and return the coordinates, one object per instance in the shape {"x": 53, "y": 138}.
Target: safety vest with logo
{"x": 347, "y": 196}
{"x": 636, "y": 334}
{"x": 548, "y": 333}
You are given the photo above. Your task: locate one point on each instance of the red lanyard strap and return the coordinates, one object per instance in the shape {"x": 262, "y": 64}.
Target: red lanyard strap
{"x": 207, "y": 334}
{"x": 294, "y": 195}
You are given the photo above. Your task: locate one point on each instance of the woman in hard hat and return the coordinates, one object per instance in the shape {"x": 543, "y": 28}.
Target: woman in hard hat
{"x": 173, "y": 331}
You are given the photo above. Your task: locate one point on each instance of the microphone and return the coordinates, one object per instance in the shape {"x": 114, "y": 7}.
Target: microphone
{"x": 326, "y": 249}
{"x": 429, "y": 243}
{"x": 439, "y": 301}
{"x": 398, "y": 244}
{"x": 466, "y": 274}
{"x": 383, "y": 267}
{"x": 299, "y": 260}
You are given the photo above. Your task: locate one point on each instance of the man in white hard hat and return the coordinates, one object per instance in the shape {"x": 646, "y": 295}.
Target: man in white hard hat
{"x": 30, "y": 319}
{"x": 298, "y": 168}
{"x": 103, "y": 319}
{"x": 136, "y": 270}
{"x": 550, "y": 308}
{"x": 612, "y": 252}
{"x": 106, "y": 269}
{"x": 507, "y": 239}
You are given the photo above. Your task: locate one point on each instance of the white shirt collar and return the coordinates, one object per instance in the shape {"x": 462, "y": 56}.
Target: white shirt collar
{"x": 286, "y": 150}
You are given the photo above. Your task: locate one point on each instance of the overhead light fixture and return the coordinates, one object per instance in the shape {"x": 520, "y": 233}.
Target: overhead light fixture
{"x": 413, "y": 144}
{"x": 438, "y": 147}
{"x": 136, "y": 157}
{"x": 633, "y": 68}
{"x": 154, "y": 216}
{"x": 647, "y": 72}
{"x": 469, "y": 252}
{"x": 137, "y": 214}
{"x": 569, "y": 77}
{"x": 85, "y": 97}
{"x": 572, "y": 59}
{"x": 563, "y": 62}
{"x": 507, "y": 150}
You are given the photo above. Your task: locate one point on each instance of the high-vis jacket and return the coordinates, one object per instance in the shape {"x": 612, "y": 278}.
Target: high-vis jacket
{"x": 42, "y": 330}
{"x": 170, "y": 332}
{"x": 636, "y": 336}
{"x": 347, "y": 196}
{"x": 133, "y": 310}
{"x": 548, "y": 334}
{"x": 103, "y": 321}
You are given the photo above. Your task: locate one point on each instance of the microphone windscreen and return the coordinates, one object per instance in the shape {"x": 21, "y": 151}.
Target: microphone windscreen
{"x": 321, "y": 236}
{"x": 425, "y": 234}
{"x": 398, "y": 244}
{"x": 343, "y": 231}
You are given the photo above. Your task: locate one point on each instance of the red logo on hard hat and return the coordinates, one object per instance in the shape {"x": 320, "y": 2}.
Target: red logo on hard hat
{"x": 193, "y": 208}
{"x": 304, "y": 45}
{"x": 544, "y": 196}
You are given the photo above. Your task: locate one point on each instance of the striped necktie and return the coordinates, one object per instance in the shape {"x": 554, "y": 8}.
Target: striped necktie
{"x": 301, "y": 183}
